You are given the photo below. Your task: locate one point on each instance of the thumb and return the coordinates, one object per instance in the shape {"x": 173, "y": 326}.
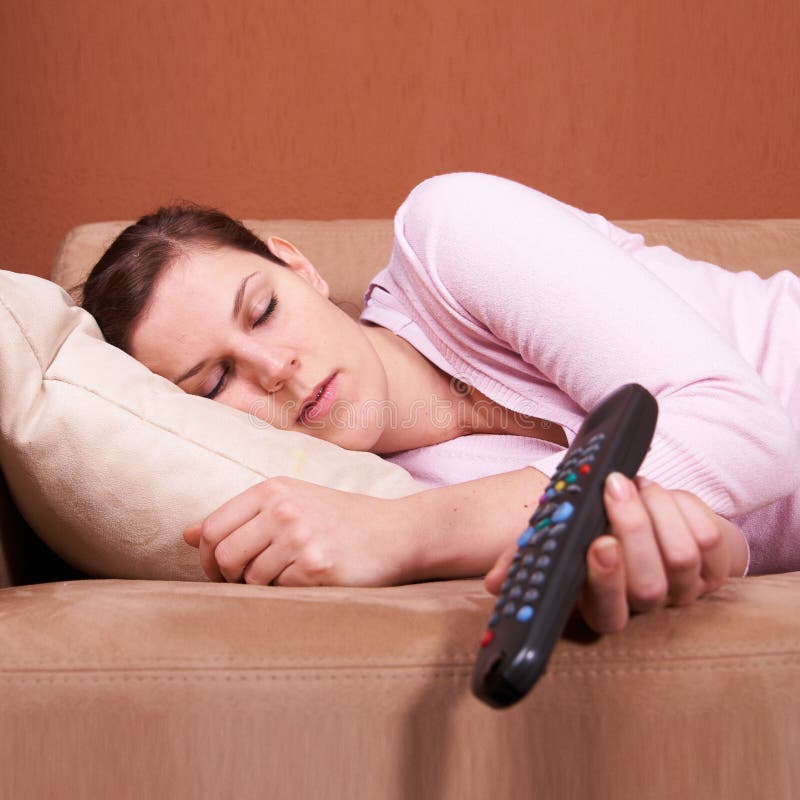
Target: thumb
{"x": 495, "y": 577}
{"x": 192, "y": 535}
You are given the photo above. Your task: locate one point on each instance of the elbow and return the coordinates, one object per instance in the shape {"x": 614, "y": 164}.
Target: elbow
{"x": 779, "y": 467}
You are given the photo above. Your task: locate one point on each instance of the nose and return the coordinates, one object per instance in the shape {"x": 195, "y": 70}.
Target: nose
{"x": 268, "y": 367}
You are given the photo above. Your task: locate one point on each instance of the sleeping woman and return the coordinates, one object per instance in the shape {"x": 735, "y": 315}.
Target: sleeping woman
{"x": 502, "y": 317}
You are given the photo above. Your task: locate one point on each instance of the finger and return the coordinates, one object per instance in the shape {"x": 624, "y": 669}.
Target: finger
{"x": 234, "y": 513}
{"x": 230, "y": 516}
{"x": 272, "y": 567}
{"x": 497, "y": 574}
{"x": 714, "y": 553}
{"x": 630, "y": 523}
{"x": 680, "y": 553}
{"x": 233, "y": 554}
{"x": 192, "y": 535}
{"x": 208, "y": 562}
{"x": 602, "y": 601}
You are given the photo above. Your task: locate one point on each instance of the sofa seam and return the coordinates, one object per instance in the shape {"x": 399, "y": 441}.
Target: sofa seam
{"x": 354, "y": 674}
{"x": 467, "y": 658}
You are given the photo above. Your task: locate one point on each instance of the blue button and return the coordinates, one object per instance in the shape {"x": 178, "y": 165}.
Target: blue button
{"x": 550, "y": 493}
{"x": 526, "y": 536}
{"x": 549, "y": 546}
{"x": 524, "y": 614}
{"x": 563, "y": 512}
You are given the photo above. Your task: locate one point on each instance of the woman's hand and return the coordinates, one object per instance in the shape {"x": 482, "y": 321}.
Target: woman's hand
{"x": 664, "y": 548}
{"x": 292, "y": 533}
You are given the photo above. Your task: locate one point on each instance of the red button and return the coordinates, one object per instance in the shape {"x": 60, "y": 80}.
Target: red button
{"x": 487, "y": 637}
{"x": 584, "y": 469}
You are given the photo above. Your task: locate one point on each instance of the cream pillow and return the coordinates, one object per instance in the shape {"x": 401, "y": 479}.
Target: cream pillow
{"x": 108, "y": 462}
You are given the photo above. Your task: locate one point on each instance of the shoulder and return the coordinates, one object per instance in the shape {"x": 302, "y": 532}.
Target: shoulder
{"x": 452, "y": 213}
{"x": 456, "y": 191}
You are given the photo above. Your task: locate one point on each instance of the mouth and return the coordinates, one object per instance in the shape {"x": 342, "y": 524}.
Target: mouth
{"x": 319, "y": 402}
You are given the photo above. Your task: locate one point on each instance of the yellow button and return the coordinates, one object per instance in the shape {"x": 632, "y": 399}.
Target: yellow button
{"x": 559, "y": 486}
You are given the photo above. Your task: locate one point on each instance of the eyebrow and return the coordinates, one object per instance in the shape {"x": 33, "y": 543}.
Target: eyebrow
{"x": 237, "y": 307}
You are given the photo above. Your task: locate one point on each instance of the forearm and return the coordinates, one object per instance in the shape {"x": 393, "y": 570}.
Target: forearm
{"x": 459, "y": 531}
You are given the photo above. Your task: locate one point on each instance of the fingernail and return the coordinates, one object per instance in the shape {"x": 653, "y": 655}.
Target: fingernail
{"x": 618, "y": 486}
{"x": 641, "y": 481}
{"x": 606, "y": 554}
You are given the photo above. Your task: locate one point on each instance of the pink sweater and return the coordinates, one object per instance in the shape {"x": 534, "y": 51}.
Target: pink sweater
{"x": 546, "y": 309}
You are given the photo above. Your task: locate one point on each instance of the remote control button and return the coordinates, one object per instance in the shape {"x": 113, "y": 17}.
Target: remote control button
{"x": 526, "y": 536}
{"x": 549, "y": 546}
{"x": 500, "y": 602}
{"x": 531, "y": 596}
{"x": 537, "y": 579}
{"x": 524, "y": 614}
{"x": 528, "y": 559}
{"x": 522, "y": 576}
{"x": 507, "y": 583}
{"x": 557, "y": 530}
{"x": 494, "y": 619}
{"x": 574, "y": 489}
{"x": 587, "y": 458}
{"x": 515, "y": 593}
{"x": 584, "y": 469}
{"x": 598, "y": 437}
{"x": 563, "y": 512}
{"x": 509, "y": 610}
{"x": 550, "y": 493}
{"x": 487, "y": 638}
{"x": 543, "y": 562}
{"x": 543, "y": 499}
{"x": 559, "y": 486}
{"x": 543, "y": 523}
{"x": 517, "y": 557}
{"x": 571, "y": 478}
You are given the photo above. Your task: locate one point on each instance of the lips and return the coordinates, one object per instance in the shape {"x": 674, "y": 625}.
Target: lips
{"x": 319, "y": 402}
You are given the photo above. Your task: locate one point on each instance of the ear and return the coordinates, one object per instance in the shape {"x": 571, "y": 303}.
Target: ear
{"x": 298, "y": 263}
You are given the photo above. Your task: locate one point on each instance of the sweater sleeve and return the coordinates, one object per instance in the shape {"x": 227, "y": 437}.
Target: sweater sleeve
{"x": 551, "y": 284}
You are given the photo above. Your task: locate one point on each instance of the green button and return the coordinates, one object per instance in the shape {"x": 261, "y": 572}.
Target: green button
{"x": 571, "y": 478}
{"x": 543, "y": 523}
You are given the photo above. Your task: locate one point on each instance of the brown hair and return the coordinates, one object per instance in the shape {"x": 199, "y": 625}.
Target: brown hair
{"x": 120, "y": 285}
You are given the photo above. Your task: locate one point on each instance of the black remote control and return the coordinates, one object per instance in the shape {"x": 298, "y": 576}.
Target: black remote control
{"x": 549, "y": 567}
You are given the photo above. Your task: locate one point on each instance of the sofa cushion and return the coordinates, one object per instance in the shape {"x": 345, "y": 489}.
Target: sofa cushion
{"x": 349, "y": 252}
{"x": 223, "y": 690}
{"x": 108, "y": 462}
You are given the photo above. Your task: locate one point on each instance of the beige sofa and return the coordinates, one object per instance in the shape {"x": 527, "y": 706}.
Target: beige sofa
{"x": 135, "y": 688}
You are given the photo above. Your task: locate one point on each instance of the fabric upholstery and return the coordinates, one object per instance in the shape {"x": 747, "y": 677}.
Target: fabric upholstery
{"x": 349, "y": 252}
{"x": 186, "y": 690}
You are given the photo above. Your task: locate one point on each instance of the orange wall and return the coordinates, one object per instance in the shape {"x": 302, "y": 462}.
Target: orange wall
{"x": 288, "y": 108}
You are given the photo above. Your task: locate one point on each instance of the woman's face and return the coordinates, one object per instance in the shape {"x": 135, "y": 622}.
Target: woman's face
{"x": 265, "y": 339}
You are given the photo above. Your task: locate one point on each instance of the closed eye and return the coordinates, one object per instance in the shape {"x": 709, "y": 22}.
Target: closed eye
{"x": 221, "y": 383}
{"x": 269, "y": 309}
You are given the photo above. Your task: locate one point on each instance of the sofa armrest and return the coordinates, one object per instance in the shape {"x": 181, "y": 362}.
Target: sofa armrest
{"x": 167, "y": 689}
